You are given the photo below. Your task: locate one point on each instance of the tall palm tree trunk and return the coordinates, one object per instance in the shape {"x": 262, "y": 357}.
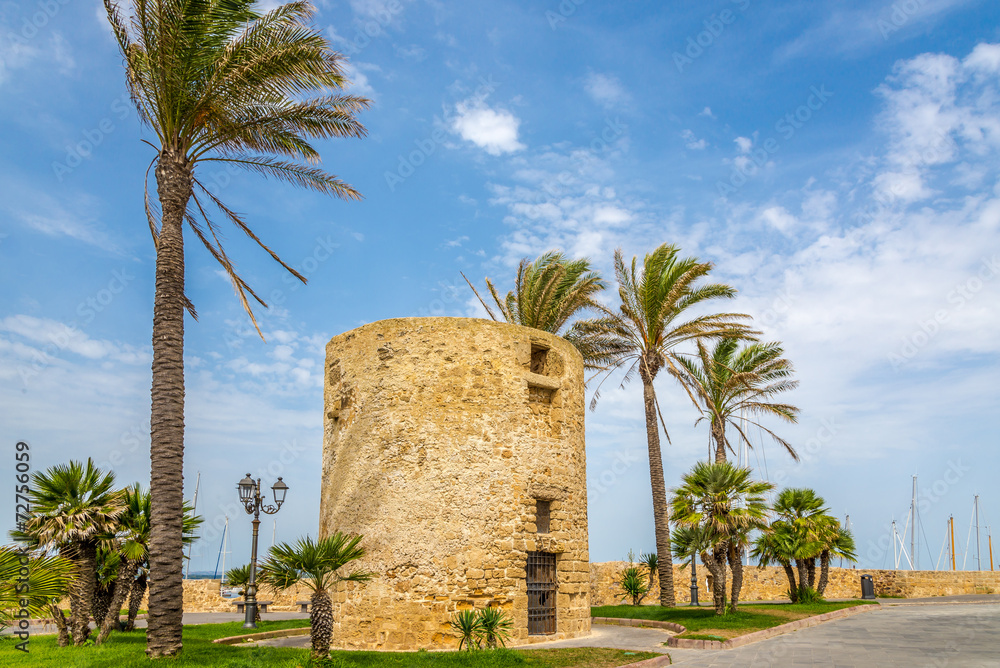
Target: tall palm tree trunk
{"x": 793, "y": 590}
{"x": 60, "y": 621}
{"x": 320, "y": 623}
{"x": 135, "y": 601}
{"x": 811, "y": 572}
{"x": 736, "y": 566}
{"x": 719, "y": 436}
{"x": 110, "y": 622}
{"x": 800, "y": 566}
{"x": 824, "y": 571}
{"x": 715, "y": 561}
{"x": 81, "y": 592}
{"x": 166, "y": 549}
{"x": 661, "y": 513}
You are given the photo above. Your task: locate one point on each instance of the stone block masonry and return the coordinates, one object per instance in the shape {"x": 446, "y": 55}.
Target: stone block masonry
{"x": 441, "y": 436}
{"x": 770, "y": 583}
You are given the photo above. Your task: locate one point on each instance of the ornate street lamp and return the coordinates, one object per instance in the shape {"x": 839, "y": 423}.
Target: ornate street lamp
{"x": 254, "y": 504}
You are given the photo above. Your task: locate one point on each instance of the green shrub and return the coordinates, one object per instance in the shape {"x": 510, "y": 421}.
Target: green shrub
{"x": 809, "y": 595}
{"x": 468, "y": 626}
{"x": 634, "y": 583}
{"x": 494, "y": 627}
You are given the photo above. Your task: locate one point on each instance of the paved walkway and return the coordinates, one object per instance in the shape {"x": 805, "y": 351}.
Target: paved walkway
{"x": 953, "y": 632}
{"x": 952, "y": 636}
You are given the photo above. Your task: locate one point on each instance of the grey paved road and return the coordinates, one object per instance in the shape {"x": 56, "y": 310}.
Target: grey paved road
{"x": 914, "y": 636}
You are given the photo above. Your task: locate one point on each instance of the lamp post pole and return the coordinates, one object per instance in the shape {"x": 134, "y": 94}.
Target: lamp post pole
{"x": 694, "y": 582}
{"x": 254, "y": 504}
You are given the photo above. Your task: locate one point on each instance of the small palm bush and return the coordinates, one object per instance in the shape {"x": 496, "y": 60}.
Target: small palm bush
{"x": 494, "y": 625}
{"x": 489, "y": 628}
{"x": 316, "y": 565}
{"x": 651, "y": 562}
{"x": 634, "y": 583}
{"x": 466, "y": 623}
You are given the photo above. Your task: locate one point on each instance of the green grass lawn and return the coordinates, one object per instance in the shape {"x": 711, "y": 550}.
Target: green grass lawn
{"x": 702, "y": 621}
{"x": 127, "y": 650}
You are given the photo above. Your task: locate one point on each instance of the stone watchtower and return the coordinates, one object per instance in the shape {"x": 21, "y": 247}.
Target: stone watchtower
{"x": 455, "y": 446}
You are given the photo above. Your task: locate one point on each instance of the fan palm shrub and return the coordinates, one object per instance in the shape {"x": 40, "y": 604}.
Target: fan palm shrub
{"x": 652, "y": 563}
{"x": 73, "y": 506}
{"x": 130, "y": 545}
{"x": 838, "y": 544}
{"x": 687, "y": 542}
{"x": 240, "y": 577}
{"x": 642, "y": 336}
{"x": 216, "y": 82}
{"x": 734, "y": 384}
{"x": 725, "y": 504}
{"x": 780, "y": 544}
{"x": 317, "y": 566}
{"x": 805, "y": 512}
{"x": 35, "y": 582}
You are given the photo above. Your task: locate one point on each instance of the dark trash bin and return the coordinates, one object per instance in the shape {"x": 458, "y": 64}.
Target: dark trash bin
{"x": 867, "y": 588}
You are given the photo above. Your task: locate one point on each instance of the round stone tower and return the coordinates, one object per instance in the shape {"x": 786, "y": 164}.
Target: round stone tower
{"x": 455, "y": 446}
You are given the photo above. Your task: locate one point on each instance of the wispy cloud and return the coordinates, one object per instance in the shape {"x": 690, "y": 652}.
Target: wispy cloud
{"x": 606, "y": 90}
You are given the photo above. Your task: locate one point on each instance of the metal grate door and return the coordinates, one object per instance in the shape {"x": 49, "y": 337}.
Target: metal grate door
{"x": 542, "y": 585}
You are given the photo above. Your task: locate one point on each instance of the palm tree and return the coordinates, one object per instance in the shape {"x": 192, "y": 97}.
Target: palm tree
{"x": 548, "y": 293}
{"x": 730, "y": 383}
{"x": 216, "y": 82}
{"x": 48, "y": 577}
{"x": 643, "y": 336}
{"x": 804, "y": 511}
{"x": 781, "y": 544}
{"x": 725, "y": 505}
{"x": 839, "y": 544}
{"x": 687, "y": 542}
{"x": 131, "y": 547}
{"x": 316, "y": 565}
{"x": 72, "y": 507}
{"x": 240, "y": 577}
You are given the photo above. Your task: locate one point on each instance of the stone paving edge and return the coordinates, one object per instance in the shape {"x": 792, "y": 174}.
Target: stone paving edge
{"x": 757, "y": 636}
{"x": 265, "y": 635}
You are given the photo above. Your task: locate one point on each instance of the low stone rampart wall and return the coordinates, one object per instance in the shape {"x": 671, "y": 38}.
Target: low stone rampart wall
{"x": 759, "y": 584}
{"x": 770, "y": 583}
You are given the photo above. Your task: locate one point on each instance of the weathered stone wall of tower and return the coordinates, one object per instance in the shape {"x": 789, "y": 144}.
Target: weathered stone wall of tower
{"x": 440, "y": 434}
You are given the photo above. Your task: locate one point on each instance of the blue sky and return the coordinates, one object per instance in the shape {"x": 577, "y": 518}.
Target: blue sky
{"x": 837, "y": 163}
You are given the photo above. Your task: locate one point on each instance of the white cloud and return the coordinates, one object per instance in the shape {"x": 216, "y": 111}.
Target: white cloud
{"x": 359, "y": 84}
{"x": 493, "y": 130}
{"x": 606, "y": 90}
{"x": 48, "y": 339}
{"x": 935, "y": 106}
{"x": 744, "y": 144}
{"x": 692, "y": 142}
{"x": 985, "y": 58}
{"x": 707, "y": 112}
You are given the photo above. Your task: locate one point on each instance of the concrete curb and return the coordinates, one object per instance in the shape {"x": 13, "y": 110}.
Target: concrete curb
{"x": 281, "y": 633}
{"x": 648, "y": 623}
{"x": 757, "y": 636}
{"x": 655, "y": 662}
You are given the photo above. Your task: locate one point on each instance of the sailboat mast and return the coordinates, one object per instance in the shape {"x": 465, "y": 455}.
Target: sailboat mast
{"x": 979, "y": 564}
{"x": 913, "y": 527}
{"x": 194, "y": 510}
{"x": 225, "y": 547}
{"x": 951, "y": 527}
